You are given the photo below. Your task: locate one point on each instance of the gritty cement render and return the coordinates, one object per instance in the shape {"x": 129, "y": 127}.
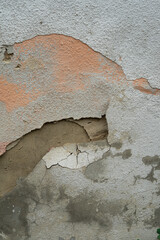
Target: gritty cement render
{"x": 80, "y": 119}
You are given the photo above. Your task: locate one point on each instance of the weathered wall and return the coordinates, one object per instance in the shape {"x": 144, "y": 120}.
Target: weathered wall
{"x": 80, "y": 59}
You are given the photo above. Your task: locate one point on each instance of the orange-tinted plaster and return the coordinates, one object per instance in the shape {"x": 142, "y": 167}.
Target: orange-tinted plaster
{"x": 58, "y": 63}
{"x": 143, "y": 86}
{"x": 71, "y": 63}
{"x": 14, "y": 96}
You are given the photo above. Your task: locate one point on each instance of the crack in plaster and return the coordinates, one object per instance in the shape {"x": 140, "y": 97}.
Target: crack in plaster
{"x": 77, "y": 155}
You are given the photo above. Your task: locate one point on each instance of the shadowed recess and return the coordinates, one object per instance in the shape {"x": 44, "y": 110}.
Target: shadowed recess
{"x": 26, "y": 152}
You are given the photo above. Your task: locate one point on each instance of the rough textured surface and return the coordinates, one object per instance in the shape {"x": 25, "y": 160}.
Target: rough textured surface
{"x": 125, "y": 31}
{"x": 80, "y": 59}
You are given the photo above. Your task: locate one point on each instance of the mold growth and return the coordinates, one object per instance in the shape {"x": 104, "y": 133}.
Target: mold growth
{"x": 26, "y": 152}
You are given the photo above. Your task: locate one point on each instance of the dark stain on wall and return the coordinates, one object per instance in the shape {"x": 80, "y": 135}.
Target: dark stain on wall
{"x": 87, "y": 207}
{"x": 155, "y": 160}
{"x": 95, "y": 171}
{"x": 13, "y": 211}
{"x": 155, "y": 163}
{"x": 116, "y": 145}
{"x": 155, "y": 220}
{"x": 126, "y": 154}
{"x": 150, "y": 177}
{"x": 158, "y": 193}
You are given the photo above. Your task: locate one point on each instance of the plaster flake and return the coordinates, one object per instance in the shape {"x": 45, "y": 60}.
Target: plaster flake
{"x": 143, "y": 86}
{"x": 82, "y": 160}
{"x": 78, "y": 81}
{"x": 55, "y": 155}
{"x": 75, "y": 156}
{"x": 69, "y": 64}
{"x": 68, "y": 162}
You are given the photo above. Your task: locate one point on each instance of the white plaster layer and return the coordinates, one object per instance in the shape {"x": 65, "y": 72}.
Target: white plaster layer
{"x": 76, "y": 156}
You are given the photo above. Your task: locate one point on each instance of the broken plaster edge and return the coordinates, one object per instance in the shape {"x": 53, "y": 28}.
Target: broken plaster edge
{"x": 16, "y": 140}
{"x": 75, "y": 160}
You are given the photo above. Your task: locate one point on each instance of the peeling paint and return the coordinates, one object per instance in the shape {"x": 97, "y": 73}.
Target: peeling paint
{"x": 68, "y": 63}
{"x": 116, "y": 145}
{"x": 68, "y": 66}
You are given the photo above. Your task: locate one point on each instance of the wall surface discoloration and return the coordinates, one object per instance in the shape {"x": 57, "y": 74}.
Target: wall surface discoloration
{"x": 148, "y": 160}
{"x": 57, "y": 197}
{"x": 143, "y": 86}
{"x": 13, "y": 212}
{"x": 116, "y": 145}
{"x": 79, "y": 61}
{"x": 71, "y": 69}
{"x": 95, "y": 170}
{"x": 154, "y": 221}
{"x": 126, "y": 154}
{"x": 13, "y": 95}
{"x": 150, "y": 176}
{"x": 87, "y": 207}
{"x": 67, "y": 64}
